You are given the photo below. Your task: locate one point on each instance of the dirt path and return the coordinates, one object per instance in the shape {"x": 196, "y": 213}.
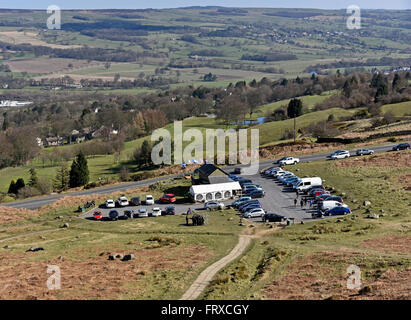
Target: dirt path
{"x": 205, "y": 277}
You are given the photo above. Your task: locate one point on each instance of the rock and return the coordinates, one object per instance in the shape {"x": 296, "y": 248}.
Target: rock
{"x": 382, "y": 210}
{"x": 354, "y": 201}
{"x": 59, "y": 217}
{"x": 119, "y": 256}
{"x": 128, "y": 257}
{"x": 302, "y": 222}
{"x": 367, "y": 203}
{"x": 42, "y": 237}
{"x": 365, "y": 290}
{"x": 34, "y": 249}
{"x": 230, "y": 219}
{"x": 373, "y": 216}
{"x": 111, "y": 257}
{"x": 343, "y": 194}
{"x": 6, "y": 247}
{"x": 66, "y": 225}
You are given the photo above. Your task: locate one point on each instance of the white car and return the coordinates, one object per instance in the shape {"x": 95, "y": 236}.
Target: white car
{"x": 340, "y": 154}
{"x": 253, "y": 213}
{"x": 122, "y": 202}
{"x": 142, "y": 213}
{"x": 110, "y": 203}
{"x": 149, "y": 199}
{"x": 156, "y": 212}
{"x": 289, "y": 160}
{"x": 330, "y": 204}
{"x": 214, "y": 205}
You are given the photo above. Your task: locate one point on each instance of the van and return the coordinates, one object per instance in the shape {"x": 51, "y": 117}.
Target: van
{"x": 305, "y": 183}
{"x": 330, "y": 204}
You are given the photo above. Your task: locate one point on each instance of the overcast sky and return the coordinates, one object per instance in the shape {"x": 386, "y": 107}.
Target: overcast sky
{"x": 139, "y": 4}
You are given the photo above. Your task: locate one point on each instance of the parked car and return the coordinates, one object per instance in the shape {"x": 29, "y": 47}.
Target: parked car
{"x": 129, "y": 214}
{"x": 113, "y": 215}
{"x": 401, "y": 146}
{"x": 337, "y": 211}
{"x": 364, "y": 152}
{"x": 279, "y": 160}
{"x": 110, "y": 203}
{"x": 257, "y": 194}
{"x": 135, "y": 201}
{"x": 340, "y": 154}
{"x": 289, "y": 160}
{"x": 142, "y": 213}
{"x": 330, "y": 204}
{"x": 244, "y": 181}
{"x": 97, "y": 215}
{"x": 234, "y": 177}
{"x": 170, "y": 211}
{"x": 149, "y": 200}
{"x": 335, "y": 198}
{"x": 156, "y": 212}
{"x": 214, "y": 205}
{"x": 237, "y": 170}
{"x": 273, "y": 217}
{"x": 254, "y": 213}
{"x": 168, "y": 198}
{"x": 317, "y": 214}
{"x": 250, "y": 206}
{"x": 246, "y": 203}
{"x": 314, "y": 189}
{"x": 322, "y": 195}
{"x": 122, "y": 202}
{"x": 239, "y": 201}
{"x": 305, "y": 184}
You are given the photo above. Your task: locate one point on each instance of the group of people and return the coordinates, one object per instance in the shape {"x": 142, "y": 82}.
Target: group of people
{"x": 303, "y": 202}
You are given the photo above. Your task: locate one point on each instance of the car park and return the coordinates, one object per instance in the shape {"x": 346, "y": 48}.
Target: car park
{"x": 135, "y": 201}
{"x": 156, "y": 212}
{"x": 340, "y": 154}
{"x": 142, "y": 213}
{"x": 337, "y": 211}
{"x": 98, "y": 215}
{"x": 401, "y": 146}
{"x": 254, "y": 213}
{"x": 364, "y": 152}
{"x": 149, "y": 200}
{"x": 257, "y": 194}
{"x": 289, "y": 160}
{"x": 214, "y": 205}
{"x": 122, "y": 202}
{"x": 168, "y": 198}
{"x": 273, "y": 217}
{"x": 169, "y": 211}
{"x": 113, "y": 215}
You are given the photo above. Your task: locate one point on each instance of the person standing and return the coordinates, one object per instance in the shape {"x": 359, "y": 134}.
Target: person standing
{"x": 302, "y": 203}
{"x": 295, "y": 202}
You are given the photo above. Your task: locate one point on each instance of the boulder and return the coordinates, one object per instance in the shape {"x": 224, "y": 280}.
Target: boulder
{"x": 65, "y": 225}
{"x": 373, "y": 216}
{"x": 367, "y": 203}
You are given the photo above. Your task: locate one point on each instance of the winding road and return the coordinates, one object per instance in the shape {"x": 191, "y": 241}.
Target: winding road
{"x": 39, "y": 202}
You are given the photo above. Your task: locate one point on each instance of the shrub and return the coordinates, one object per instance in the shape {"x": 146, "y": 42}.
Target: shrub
{"x": 27, "y": 192}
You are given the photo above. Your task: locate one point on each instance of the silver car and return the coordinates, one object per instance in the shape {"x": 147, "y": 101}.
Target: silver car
{"x": 214, "y": 205}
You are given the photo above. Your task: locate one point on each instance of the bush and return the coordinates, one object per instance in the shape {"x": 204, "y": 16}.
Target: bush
{"x": 27, "y": 192}
{"x": 43, "y": 185}
{"x": 142, "y": 175}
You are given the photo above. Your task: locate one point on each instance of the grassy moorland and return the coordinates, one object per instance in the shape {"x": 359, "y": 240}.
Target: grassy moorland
{"x": 310, "y": 261}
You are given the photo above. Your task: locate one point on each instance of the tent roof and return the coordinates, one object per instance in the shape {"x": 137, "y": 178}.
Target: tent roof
{"x": 203, "y": 188}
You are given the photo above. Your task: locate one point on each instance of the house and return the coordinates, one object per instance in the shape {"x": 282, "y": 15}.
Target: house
{"x": 53, "y": 141}
{"x": 211, "y": 174}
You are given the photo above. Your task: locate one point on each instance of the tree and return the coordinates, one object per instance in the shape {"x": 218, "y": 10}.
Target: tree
{"x": 33, "y": 182}
{"x": 62, "y": 179}
{"x": 295, "y": 108}
{"x": 142, "y": 155}
{"x": 12, "y": 187}
{"x": 79, "y": 173}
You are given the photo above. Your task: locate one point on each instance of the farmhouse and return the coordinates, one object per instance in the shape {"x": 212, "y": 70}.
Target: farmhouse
{"x": 213, "y": 183}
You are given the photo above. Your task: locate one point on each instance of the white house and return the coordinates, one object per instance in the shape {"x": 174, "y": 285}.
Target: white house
{"x": 217, "y": 191}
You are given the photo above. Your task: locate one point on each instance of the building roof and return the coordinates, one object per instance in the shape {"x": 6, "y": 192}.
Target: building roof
{"x": 204, "y": 188}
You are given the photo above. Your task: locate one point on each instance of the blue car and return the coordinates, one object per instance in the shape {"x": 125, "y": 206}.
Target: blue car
{"x": 337, "y": 211}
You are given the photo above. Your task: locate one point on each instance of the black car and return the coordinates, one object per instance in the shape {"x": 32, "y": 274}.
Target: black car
{"x": 135, "y": 201}
{"x": 128, "y": 214}
{"x": 401, "y": 146}
{"x": 113, "y": 215}
{"x": 170, "y": 211}
{"x": 273, "y": 217}
{"x": 244, "y": 181}
{"x": 237, "y": 170}
{"x": 257, "y": 194}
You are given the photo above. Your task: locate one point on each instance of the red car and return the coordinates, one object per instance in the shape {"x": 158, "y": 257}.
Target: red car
{"x": 98, "y": 215}
{"x": 168, "y": 198}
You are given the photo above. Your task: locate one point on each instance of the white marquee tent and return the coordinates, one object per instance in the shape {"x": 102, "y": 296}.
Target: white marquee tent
{"x": 218, "y": 191}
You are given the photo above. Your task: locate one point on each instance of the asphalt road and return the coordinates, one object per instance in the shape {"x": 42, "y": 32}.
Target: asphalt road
{"x": 38, "y": 202}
